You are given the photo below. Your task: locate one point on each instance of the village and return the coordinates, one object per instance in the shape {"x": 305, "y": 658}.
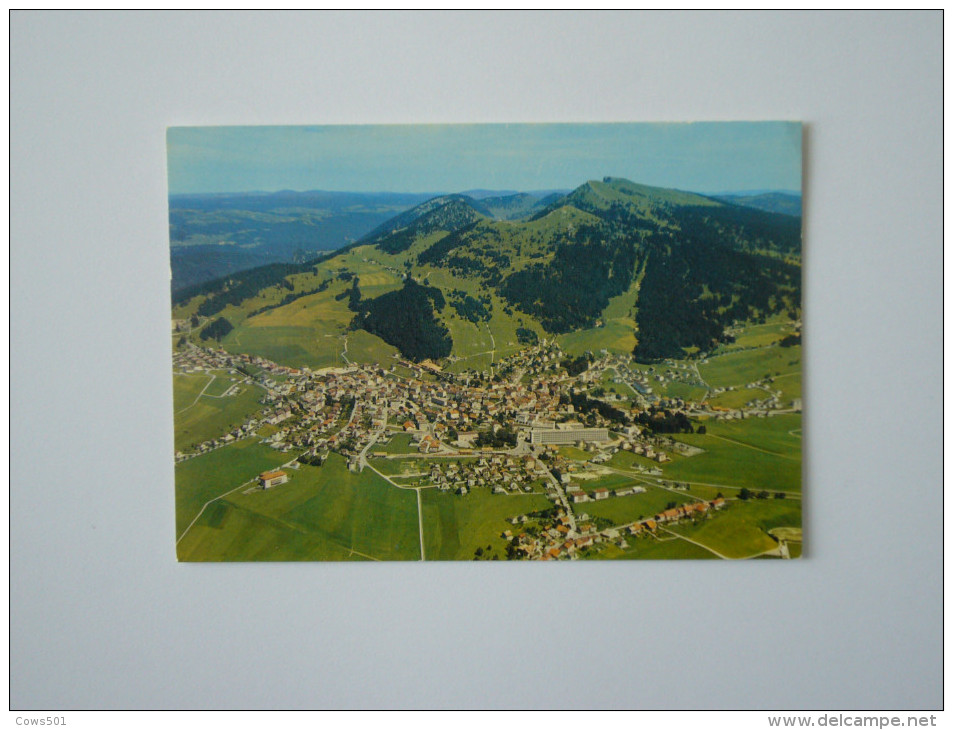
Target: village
{"x": 509, "y": 431}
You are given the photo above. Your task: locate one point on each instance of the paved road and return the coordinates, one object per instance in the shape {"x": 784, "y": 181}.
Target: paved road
{"x": 563, "y": 498}
{"x": 362, "y": 459}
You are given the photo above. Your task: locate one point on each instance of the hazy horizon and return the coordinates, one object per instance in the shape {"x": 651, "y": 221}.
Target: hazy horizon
{"x": 704, "y": 157}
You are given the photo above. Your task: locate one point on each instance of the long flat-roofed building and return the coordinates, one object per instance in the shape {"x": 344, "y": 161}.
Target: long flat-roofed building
{"x": 567, "y": 435}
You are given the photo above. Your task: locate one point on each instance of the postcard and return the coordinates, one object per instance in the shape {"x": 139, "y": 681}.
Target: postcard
{"x": 540, "y": 342}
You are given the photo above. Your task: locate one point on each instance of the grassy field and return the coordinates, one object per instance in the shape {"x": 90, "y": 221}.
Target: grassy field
{"x": 741, "y": 368}
{"x": 228, "y": 533}
{"x": 759, "y": 335}
{"x": 400, "y": 443}
{"x": 399, "y": 467}
{"x": 208, "y": 417}
{"x": 685, "y": 391}
{"x": 628, "y": 460}
{"x": 360, "y": 512}
{"x": 771, "y": 434}
{"x": 291, "y": 346}
{"x": 734, "y": 464}
{"x": 615, "y": 337}
{"x": 623, "y": 510}
{"x": 741, "y": 529}
{"x": 469, "y": 338}
{"x": 474, "y": 362}
{"x": 322, "y": 513}
{"x": 608, "y": 381}
{"x": 205, "y": 477}
{"x": 650, "y": 548}
{"x": 223, "y": 381}
{"x": 363, "y": 347}
{"x": 758, "y": 453}
{"x": 737, "y": 398}
{"x": 789, "y": 385}
{"x": 576, "y": 454}
{"x": 609, "y": 481}
{"x": 455, "y": 526}
{"x": 305, "y": 333}
{"x": 186, "y": 388}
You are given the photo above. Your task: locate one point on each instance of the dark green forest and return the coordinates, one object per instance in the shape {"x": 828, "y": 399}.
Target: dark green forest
{"x": 405, "y": 319}
{"x": 572, "y": 290}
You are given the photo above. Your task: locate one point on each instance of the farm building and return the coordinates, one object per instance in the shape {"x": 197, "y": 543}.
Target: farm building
{"x": 270, "y": 479}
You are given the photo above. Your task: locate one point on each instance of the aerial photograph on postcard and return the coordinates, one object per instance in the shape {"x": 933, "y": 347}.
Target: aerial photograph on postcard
{"x": 486, "y": 341}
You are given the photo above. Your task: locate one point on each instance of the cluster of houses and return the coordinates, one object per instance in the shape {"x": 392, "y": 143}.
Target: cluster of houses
{"x": 502, "y": 474}
{"x": 553, "y": 538}
{"x": 198, "y": 359}
{"x": 578, "y": 495}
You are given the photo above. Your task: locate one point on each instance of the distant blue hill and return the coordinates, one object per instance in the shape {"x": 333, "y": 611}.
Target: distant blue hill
{"x": 217, "y": 234}
{"x": 772, "y": 201}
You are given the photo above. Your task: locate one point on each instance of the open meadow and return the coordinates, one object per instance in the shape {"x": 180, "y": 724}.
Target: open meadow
{"x": 455, "y": 526}
{"x": 333, "y": 513}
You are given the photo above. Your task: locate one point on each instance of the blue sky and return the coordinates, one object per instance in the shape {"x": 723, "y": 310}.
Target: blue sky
{"x": 701, "y": 156}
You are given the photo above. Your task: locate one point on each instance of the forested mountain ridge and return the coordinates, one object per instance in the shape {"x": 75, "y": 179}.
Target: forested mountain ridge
{"x": 447, "y": 213}
{"x": 679, "y": 267}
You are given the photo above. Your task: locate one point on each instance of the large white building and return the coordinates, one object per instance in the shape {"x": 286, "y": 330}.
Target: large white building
{"x": 568, "y": 435}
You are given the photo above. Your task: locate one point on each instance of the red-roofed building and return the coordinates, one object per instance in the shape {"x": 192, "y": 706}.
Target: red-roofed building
{"x": 270, "y": 479}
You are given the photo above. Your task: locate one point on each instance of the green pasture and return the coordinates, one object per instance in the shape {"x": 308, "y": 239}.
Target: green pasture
{"x": 574, "y": 453}
{"x": 223, "y": 381}
{"x": 759, "y": 335}
{"x": 360, "y": 512}
{"x": 209, "y": 418}
{"x": 477, "y": 363}
{"x": 741, "y": 368}
{"x": 623, "y": 510}
{"x": 737, "y": 398}
{"x": 400, "y": 443}
{"x": 456, "y": 525}
{"x": 613, "y": 336}
{"x": 628, "y": 460}
{"x": 771, "y": 434}
{"x": 789, "y": 385}
{"x": 734, "y": 464}
{"x": 204, "y": 477}
{"x": 228, "y": 533}
{"x": 740, "y": 530}
{"x": 291, "y": 346}
{"x": 680, "y": 389}
{"x": 651, "y": 548}
{"x": 617, "y": 332}
{"x": 186, "y": 388}
{"x": 399, "y": 467}
{"x": 363, "y": 347}
{"x": 609, "y": 481}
